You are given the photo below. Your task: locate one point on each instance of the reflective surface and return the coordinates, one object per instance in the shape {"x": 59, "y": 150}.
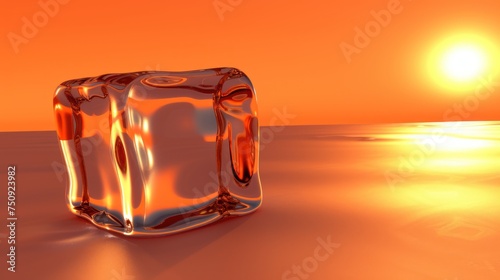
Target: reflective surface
{"x": 159, "y": 152}
{"x": 442, "y": 222}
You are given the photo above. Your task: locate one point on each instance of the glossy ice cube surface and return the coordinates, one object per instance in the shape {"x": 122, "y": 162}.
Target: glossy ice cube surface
{"x": 159, "y": 152}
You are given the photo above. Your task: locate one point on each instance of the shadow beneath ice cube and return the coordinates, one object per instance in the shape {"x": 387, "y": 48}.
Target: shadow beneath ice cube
{"x": 143, "y": 257}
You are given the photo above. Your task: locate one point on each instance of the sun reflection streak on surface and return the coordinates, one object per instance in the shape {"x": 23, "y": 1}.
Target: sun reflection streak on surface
{"x": 454, "y": 179}
{"x": 457, "y": 175}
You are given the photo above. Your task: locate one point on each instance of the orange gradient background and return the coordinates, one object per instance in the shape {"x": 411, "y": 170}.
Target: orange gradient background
{"x": 290, "y": 50}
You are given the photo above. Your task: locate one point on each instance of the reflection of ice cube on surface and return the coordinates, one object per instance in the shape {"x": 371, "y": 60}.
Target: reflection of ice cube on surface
{"x": 159, "y": 152}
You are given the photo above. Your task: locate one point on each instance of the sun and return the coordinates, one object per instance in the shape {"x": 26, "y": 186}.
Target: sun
{"x": 459, "y": 62}
{"x": 464, "y": 62}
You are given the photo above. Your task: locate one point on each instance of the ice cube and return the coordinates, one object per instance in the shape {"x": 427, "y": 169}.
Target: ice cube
{"x": 159, "y": 152}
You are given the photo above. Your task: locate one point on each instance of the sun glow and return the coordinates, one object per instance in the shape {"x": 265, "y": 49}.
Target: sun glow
{"x": 464, "y": 62}
{"x": 460, "y": 62}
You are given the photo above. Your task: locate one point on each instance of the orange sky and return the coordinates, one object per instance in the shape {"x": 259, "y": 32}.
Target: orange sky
{"x": 290, "y": 49}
